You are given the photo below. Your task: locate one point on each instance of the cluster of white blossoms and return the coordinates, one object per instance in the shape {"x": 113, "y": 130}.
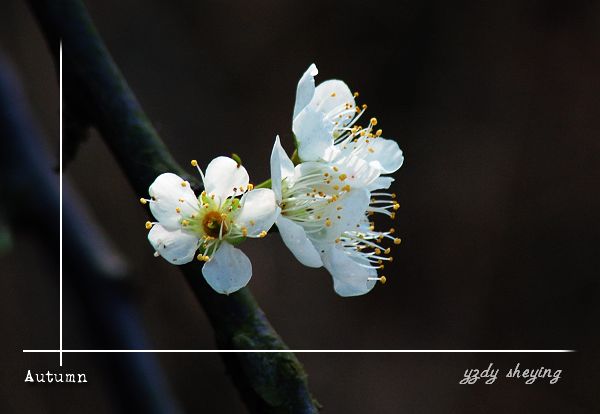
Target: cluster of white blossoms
{"x": 328, "y": 198}
{"x": 323, "y": 205}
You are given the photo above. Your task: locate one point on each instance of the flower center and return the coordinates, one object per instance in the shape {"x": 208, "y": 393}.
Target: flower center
{"x": 214, "y": 224}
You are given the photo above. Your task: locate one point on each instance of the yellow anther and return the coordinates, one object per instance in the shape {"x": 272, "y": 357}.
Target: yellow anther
{"x": 355, "y": 94}
{"x": 252, "y": 222}
{"x": 148, "y": 225}
{"x": 181, "y": 200}
{"x": 223, "y": 216}
{"x": 383, "y": 279}
{"x": 336, "y": 169}
{"x": 328, "y": 222}
{"x": 393, "y": 195}
{"x": 387, "y": 251}
{"x": 177, "y": 209}
{"x": 381, "y": 266}
{"x": 392, "y": 230}
{"x": 250, "y": 187}
{"x": 343, "y": 177}
{"x": 373, "y": 121}
{"x": 364, "y": 106}
{"x": 143, "y": 200}
{"x": 391, "y": 259}
{"x": 202, "y": 258}
{"x": 184, "y": 184}
{"x": 332, "y": 94}
{"x": 326, "y": 174}
{"x": 244, "y": 231}
{"x": 346, "y": 187}
{"x": 338, "y": 208}
{"x": 262, "y": 234}
{"x": 185, "y": 222}
{"x": 377, "y": 251}
{"x": 194, "y": 163}
{"x": 396, "y": 206}
{"x": 378, "y": 133}
{"x": 371, "y": 150}
{"x": 397, "y": 241}
{"x": 392, "y": 215}
{"x": 336, "y": 187}
{"x": 338, "y": 240}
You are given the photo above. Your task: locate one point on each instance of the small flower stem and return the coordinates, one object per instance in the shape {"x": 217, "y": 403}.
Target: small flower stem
{"x": 295, "y": 158}
{"x": 264, "y": 184}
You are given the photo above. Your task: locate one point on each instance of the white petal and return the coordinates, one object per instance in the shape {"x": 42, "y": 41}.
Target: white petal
{"x": 224, "y": 177}
{"x": 331, "y": 97}
{"x": 167, "y": 191}
{"x": 313, "y": 135}
{"x": 258, "y": 211}
{"x": 295, "y": 239}
{"x": 305, "y": 89}
{"x": 359, "y": 173}
{"x": 349, "y": 277}
{"x": 177, "y": 247}
{"x": 353, "y": 205}
{"x": 282, "y": 167}
{"x": 228, "y": 270}
{"x": 381, "y": 183}
{"x": 385, "y": 155}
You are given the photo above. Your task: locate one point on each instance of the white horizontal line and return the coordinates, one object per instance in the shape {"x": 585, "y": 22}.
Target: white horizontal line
{"x": 298, "y": 351}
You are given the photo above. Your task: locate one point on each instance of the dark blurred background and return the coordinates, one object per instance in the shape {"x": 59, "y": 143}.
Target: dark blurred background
{"x": 495, "y": 105}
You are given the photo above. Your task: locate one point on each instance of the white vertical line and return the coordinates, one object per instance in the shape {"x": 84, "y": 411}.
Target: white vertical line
{"x": 60, "y": 178}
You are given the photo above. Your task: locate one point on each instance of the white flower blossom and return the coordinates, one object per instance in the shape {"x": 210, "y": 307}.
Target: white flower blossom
{"x": 325, "y": 126}
{"x": 211, "y": 224}
{"x": 324, "y": 218}
{"x": 327, "y": 199}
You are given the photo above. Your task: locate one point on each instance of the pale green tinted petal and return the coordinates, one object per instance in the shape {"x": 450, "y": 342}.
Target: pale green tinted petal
{"x": 224, "y": 178}
{"x": 305, "y": 89}
{"x": 258, "y": 211}
{"x": 349, "y": 277}
{"x": 281, "y": 167}
{"x": 177, "y": 247}
{"x": 295, "y": 239}
{"x": 228, "y": 270}
{"x": 167, "y": 191}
